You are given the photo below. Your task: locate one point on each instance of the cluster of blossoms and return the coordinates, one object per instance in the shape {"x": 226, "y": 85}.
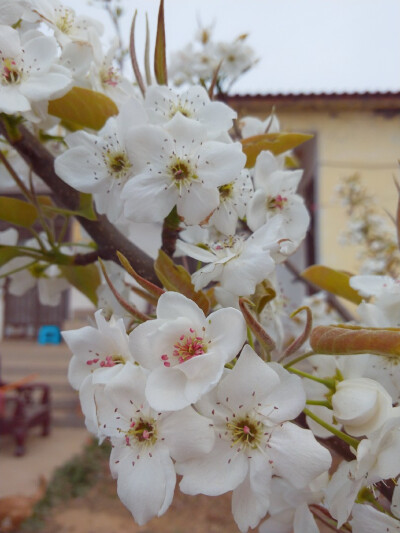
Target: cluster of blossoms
{"x": 369, "y": 228}
{"x": 223, "y": 387}
{"x": 198, "y": 61}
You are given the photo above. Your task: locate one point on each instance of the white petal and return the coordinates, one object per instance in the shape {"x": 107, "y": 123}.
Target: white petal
{"x": 40, "y": 54}
{"x": 250, "y": 501}
{"x": 217, "y": 116}
{"x": 249, "y": 382}
{"x": 369, "y": 285}
{"x": 183, "y": 130}
{"x": 50, "y": 85}
{"x": 148, "y": 143}
{"x": 166, "y": 389}
{"x": 173, "y": 305}
{"x": 257, "y": 210}
{"x": 154, "y": 338}
{"x": 304, "y": 520}
{"x": 146, "y": 485}
{"x": 227, "y": 329}
{"x": 187, "y": 434}
{"x": 12, "y": 101}
{"x": 80, "y": 168}
{"x": 148, "y": 198}
{"x": 196, "y": 203}
{"x": 221, "y": 470}
{"x": 301, "y": 464}
{"x": 220, "y": 163}
{"x": 366, "y": 519}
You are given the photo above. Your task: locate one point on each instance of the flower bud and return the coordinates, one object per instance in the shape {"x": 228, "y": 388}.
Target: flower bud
{"x": 362, "y": 405}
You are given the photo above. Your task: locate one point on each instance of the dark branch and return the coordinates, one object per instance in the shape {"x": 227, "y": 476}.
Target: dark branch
{"x": 105, "y": 235}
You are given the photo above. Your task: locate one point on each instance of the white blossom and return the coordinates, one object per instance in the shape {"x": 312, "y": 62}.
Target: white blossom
{"x": 250, "y": 410}
{"x": 179, "y": 166}
{"x": 236, "y": 262}
{"x": 145, "y": 443}
{"x": 27, "y": 71}
{"x": 184, "y": 350}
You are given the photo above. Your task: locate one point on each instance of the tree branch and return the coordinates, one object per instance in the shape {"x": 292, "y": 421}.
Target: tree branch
{"x": 107, "y": 237}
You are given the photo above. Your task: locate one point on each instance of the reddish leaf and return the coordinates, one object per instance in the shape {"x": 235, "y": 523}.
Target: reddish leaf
{"x": 160, "y": 56}
{"x": 345, "y": 340}
{"x": 176, "y": 278}
{"x": 262, "y": 336}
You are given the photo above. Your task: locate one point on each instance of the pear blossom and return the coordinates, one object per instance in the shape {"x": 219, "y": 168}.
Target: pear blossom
{"x": 11, "y": 11}
{"x": 25, "y": 273}
{"x": 289, "y": 511}
{"x": 236, "y": 57}
{"x": 233, "y": 201}
{"x": 102, "y": 164}
{"x": 275, "y": 193}
{"x": 28, "y": 71}
{"x": 105, "y": 77}
{"x": 145, "y": 442}
{"x": 366, "y": 519}
{"x": 179, "y": 166}
{"x": 383, "y": 311}
{"x": 250, "y": 409}
{"x": 99, "y": 355}
{"x": 362, "y": 405}
{"x": 67, "y": 26}
{"x": 251, "y": 126}
{"x": 184, "y": 350}
{"x": 162, "y": 103}
{"x": 377, "y": 459}
{"x": 338, "y": 368}
{"x": 99, "y": 351}
{"x": 236, "y": 262}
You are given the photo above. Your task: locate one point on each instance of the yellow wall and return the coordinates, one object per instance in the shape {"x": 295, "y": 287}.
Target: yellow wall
{"x": 349, "y": 141}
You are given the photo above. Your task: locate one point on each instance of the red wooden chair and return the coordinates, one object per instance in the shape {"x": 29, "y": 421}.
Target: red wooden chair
{"x": 24, "y": 405}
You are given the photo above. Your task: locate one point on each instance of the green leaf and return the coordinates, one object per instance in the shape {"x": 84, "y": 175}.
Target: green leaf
{"x": 85, "y": 209}
{"x": 176, "y": 278}
{"x": 84, "y": 108}
{"x": 277, "y": 143}
{"x": 263, "y": 294}
{"x": 160, "y": 61}
{"x": 9, "y": 252}
{"x": 333, "y": 281}
{"x": 17, "y": 212}
{"x": 85, "y": 278}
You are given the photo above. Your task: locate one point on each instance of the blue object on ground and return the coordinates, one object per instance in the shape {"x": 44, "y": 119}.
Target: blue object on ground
{"x": 49, "y": 335}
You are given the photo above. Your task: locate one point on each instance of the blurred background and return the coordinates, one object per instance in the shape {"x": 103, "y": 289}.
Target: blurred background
{"x": 330, "y": 68}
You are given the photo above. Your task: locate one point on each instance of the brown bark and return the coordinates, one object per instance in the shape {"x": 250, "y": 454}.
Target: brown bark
{"x": 106, "y": 236}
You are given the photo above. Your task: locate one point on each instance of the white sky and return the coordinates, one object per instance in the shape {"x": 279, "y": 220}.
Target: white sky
{"x": 303, "y": 45}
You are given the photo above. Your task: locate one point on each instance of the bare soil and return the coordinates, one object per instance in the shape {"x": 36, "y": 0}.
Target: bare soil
{"x": 100, "y": 511}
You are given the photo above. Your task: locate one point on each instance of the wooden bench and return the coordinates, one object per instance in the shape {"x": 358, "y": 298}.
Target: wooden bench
{"x": 23, "y": 406}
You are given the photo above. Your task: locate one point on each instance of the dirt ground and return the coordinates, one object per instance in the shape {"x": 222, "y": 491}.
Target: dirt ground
{"x": 100, "y": 511}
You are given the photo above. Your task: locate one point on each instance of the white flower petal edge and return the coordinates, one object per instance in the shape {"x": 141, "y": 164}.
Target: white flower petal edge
{"x": 186, "y": 352}
{"x": 146, "y": 442}
{"x": 248, "y": 442}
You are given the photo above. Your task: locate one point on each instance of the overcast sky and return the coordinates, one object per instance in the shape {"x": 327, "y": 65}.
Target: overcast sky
{"x": 303, "y": 45}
